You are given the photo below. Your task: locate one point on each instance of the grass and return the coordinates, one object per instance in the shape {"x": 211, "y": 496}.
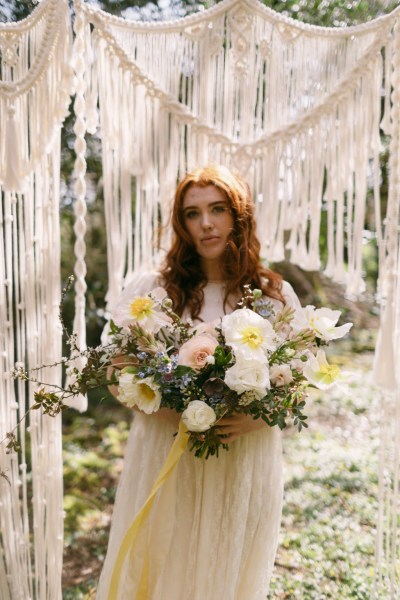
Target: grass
{"x": 327, "y": 538}
{"x": 328, "y": 529}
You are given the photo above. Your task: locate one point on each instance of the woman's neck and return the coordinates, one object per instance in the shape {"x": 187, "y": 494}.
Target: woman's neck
{"x": 212, "y": 270}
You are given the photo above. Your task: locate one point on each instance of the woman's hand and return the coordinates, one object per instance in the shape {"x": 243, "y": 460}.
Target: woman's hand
{"x": 232, "y": 427}
{"x": 118, "y": 362}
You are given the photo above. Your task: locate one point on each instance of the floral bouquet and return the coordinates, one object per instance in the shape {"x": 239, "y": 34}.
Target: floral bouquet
{"x": 256, "y": 360}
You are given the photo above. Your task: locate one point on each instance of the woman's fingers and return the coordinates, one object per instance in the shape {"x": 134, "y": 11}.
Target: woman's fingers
{"x": 235, "y": 418}
{"x": 122, "y": 360}
{"x": 232, "y": 427}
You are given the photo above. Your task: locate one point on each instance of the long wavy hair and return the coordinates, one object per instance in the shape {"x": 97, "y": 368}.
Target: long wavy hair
{"x": 183, "y": 277}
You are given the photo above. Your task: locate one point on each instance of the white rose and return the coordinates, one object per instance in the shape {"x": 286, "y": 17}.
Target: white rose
{"x": 198, "y": 416}
{"x": 280, "y": 375}
{"x": 322, "y": 321}
{"x": 143, "y": 393}
{"x": 248, "y": 334}
{"x": 248, "y": 376}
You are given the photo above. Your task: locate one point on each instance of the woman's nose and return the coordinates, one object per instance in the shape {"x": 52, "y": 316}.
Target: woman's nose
{"x": 206, "y": 221}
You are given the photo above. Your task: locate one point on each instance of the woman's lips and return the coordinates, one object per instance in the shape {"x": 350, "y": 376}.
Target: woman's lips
{"x": 210, "y": 239}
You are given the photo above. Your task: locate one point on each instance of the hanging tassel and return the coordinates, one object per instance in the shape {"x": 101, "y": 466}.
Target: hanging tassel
{"x": 13, "y": 178}
{"x": 384, "y": 371}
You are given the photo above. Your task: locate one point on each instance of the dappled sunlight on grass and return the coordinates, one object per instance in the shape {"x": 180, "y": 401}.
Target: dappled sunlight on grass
{"x": 327, "y": 538}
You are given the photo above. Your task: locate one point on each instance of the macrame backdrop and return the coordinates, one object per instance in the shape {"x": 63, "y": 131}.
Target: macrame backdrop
{"x": 299, "y": 111}
{"x": 35, "y": 87}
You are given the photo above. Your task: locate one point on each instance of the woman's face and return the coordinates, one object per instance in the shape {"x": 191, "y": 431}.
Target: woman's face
{"x": 208, "y": 220}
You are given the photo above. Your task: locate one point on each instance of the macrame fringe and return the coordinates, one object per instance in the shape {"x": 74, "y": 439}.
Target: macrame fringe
{"x": 35, "y": 87}
{"x": 213, "y": 89}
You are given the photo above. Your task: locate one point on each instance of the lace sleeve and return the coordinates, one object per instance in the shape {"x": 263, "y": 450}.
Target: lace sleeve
{"x": 290, "y": 296}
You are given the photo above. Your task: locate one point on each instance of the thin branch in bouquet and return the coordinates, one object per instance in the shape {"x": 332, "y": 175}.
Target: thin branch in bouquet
{"x": 52, "y": 402}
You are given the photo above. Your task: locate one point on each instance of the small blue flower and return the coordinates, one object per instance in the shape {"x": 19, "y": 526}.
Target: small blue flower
{"x": 141, "y": 375}
{"x": 142, "y": 355}
{"x": 214, "y": 400}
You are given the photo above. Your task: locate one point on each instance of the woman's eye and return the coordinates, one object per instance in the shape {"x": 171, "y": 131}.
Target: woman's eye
{"x": 219, "y": 209}
{"x": 191, "y": 214}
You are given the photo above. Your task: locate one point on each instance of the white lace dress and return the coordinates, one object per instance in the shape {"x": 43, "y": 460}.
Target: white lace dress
{"x": 213, "y": 530}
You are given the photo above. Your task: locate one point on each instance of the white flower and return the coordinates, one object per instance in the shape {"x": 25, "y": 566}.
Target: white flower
{"x": 322, "y": 321}
{"x": 198, "y": 416}
{"x": 319, "y": 372}
{"x": 143, "y": 393}
{"x": 247, "y": 398}
{"x": 280, "y": 375}
{"x": 248, "y": 334}
{"x": 248, "y": 376}
{"x": 142, "y": 310}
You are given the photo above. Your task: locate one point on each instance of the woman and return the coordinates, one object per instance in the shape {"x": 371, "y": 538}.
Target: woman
{"x": 212, "y": 534}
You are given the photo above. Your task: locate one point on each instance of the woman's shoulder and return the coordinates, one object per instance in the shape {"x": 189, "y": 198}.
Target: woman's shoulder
{"x": 290, "y": 295}
{"x": 141, "y": 282}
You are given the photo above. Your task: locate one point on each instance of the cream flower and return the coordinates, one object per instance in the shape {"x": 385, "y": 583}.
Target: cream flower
{"x": 248, "y": 334}
{"x": 248, "y": 376}
{"x": 143, "y": 393}
{"x": 197, "y": 351}
{"x": 319, "y": 372}
{"x": 280, "y": 375}
{"x": 142, "y": 310}
{"x": 322, "y": 321}
{"x": 198, "y": 416}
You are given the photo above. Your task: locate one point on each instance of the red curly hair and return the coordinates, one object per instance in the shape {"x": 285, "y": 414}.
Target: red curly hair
{"x": 183, "y": 277}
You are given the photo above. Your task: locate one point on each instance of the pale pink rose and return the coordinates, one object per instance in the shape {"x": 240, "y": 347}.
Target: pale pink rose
{"x": 195, "y": 352}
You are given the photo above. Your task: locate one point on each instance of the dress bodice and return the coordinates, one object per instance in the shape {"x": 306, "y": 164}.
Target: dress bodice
{"x": 214, "y": 292}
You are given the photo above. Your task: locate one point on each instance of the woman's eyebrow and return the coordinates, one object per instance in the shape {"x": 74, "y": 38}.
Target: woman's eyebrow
{"x": 211, "y": 204}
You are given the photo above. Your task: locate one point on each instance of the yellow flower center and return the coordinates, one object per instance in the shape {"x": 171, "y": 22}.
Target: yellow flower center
{"x": 252, "y": 337}
{"x": 141, "y": 308}
{"x": 329, "y": 372}
{"x": 147, "y": 391}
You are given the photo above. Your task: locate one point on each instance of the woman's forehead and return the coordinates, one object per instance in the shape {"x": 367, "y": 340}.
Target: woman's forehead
{"x": 202, "y": 195}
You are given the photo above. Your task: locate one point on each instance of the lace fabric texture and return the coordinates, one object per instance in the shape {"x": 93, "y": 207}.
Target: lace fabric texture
{"x": 213, "y": 530}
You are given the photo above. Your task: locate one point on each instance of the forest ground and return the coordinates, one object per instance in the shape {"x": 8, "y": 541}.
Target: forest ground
{"x": 327, "y": 539}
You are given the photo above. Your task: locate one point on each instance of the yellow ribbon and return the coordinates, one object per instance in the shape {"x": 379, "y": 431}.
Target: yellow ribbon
{"x": 128, "y": 542}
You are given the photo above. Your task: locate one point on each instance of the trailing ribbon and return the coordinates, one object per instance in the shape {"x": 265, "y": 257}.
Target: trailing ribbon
{"x": 128, "y": 542}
